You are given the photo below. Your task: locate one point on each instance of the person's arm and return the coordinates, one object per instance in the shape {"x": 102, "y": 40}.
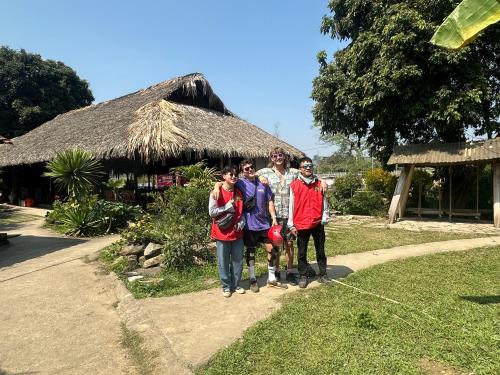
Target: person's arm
{"x": 291, "y": 203}
{"x": 272, "y": 211}
{"x": 324, "y": 185}
{"x": 214, "y": 210}
{"x": 216, "y": 191}
{"x": 326, "y": 211}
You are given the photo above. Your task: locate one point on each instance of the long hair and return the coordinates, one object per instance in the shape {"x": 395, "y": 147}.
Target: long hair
{"x": 276, "y": 150}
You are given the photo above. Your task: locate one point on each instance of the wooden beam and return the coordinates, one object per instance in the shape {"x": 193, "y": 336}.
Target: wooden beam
{"x": 496, "y": 194}
{"x": 400, "y": 196}
{"x": 451, "y": 188}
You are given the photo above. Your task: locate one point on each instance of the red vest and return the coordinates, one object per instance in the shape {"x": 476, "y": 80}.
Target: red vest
{"x": 229, "y": 234}
{"x": 307, "y": 204}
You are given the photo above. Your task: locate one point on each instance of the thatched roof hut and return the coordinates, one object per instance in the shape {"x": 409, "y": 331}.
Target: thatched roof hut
{"x": 181, "y": 116}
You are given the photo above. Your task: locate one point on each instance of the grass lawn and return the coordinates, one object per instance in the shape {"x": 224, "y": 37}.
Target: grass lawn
{"x": 341, "y": 239}
{"x": 15, "y": 218}
{"x": 449, "y": 318}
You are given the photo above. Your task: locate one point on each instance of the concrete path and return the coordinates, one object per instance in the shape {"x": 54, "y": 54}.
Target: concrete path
{"x": 58, "y": 311}
{"x": 62, "y": 315}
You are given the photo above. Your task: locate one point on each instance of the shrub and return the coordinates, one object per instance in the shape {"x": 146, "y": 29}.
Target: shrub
{"x": 380, "y": 181}
{"x": 346, "y": 186}
{"x": 91, "y": 216}
{"x": 366, "y": 203}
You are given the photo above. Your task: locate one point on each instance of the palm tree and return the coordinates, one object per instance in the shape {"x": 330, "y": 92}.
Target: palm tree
{"x": 75, "y": 170}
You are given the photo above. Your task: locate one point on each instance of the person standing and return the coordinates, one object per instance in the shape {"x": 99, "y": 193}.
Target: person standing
{"x": 228, "y": 222}
{"x": 307, "y": 215}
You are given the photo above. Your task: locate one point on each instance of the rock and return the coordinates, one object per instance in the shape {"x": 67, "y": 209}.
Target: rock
{"x": 148, "y": 271}
{"x": 152, "y": 250}
{"x": 117, "y": 261}
{"x": 142, "y": 259}
{"x": 134, "y": 278}
{"x": 131, "y": 273}
{"x": 132, "y": 260}
{"x": 132, "y": 249}
{"x": 153, "y": 261}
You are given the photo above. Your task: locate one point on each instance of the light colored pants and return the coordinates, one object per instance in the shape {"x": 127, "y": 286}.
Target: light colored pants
{"x": 230, "y": 263}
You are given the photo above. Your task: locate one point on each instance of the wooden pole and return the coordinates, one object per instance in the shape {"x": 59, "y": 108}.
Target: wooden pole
{"x": 451, "y": 187}
{"x": 477, "y": 192}
{"x": 419, "y": 199}
{"x": 400, "y": 196}
{"x": 496, "y": 194}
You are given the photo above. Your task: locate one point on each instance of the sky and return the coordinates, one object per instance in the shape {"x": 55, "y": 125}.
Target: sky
{"x": 259, "y": 56}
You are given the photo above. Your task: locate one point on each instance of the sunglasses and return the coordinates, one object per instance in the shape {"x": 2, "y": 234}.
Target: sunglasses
{"x": 277, "y": 156}
{"x": 246, "y": 169}
{"x": 307, "y": 166}
{"x": 232, "y": 175}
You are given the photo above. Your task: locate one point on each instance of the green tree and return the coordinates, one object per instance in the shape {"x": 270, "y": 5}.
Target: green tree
{"x": 391, "y": 85}
{"x": 33, "y": 91}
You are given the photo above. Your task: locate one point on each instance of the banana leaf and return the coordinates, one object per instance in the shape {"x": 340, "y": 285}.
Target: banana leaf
{"x": 465, "y": 22}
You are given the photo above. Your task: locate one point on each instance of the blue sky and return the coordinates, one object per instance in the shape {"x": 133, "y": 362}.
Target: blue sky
{"x": 259, "y": 56}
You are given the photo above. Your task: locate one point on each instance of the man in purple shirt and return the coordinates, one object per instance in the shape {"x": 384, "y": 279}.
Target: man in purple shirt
{"x": 258, "y": 202}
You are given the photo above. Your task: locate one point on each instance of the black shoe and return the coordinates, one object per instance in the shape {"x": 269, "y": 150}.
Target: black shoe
{"x": 324, "y": 279}
{"x": 277, "y": 274}
{"x": 310, "y": 272}
{"x": 302, "y": 281}
{"x": 291, "y": 278}
{"x": 254, "y": 287}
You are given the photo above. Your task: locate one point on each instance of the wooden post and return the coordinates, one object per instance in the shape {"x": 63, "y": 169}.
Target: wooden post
{"x": 400, "y": 196}
{"x": 419, "y": 199}
{"x": 440, "y": 199}
{"x": 451, "y": 186}
{"x": 477, "y": 193}
{"x": 496, "y": 194}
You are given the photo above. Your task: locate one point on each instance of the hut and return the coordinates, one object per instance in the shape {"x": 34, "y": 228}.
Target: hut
{"x": 175, "y": 122}
{"x": 451, "y": 156}
{"x": 4, "y": 140}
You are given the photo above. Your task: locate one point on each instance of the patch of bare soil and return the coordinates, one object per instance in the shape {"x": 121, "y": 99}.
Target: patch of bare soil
{"x": 431, "y": 367}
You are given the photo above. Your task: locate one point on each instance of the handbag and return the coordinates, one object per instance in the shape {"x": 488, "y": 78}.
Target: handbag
{"x": 225, "y": 221}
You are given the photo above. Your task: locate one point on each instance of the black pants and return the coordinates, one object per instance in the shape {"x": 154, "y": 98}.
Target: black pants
{"x": 318, "y": 234}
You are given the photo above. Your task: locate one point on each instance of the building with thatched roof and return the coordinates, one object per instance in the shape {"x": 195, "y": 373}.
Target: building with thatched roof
{"x": 451, "y": 156}
{"x": 175, "y": 122}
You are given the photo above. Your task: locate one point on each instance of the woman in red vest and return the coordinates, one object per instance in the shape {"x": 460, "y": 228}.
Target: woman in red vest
{"x": 227, "y": 229}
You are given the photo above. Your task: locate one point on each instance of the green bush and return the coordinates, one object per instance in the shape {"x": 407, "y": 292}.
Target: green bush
{"x": 91, "y": 216}
{"x": 366, "y": 203}
{"x": 346, "y": 186}
{"x": 178, "y": 219}
{"x": 380, "y": 181}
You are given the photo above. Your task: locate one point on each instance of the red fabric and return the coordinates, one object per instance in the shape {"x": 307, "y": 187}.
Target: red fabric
{"x": 229, "y": 234}
{"x": 307, "y": 204}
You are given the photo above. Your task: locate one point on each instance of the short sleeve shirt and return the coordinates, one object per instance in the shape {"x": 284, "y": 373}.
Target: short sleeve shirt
{"x": 281, "y": 189}
{"x": 257, "y": 218}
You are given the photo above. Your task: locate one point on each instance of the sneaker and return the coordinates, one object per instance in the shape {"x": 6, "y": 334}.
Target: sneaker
{"x": 254, "y": 287}
{"x": 324, "y": 279}
{"x": 291, "y": 278}
{"x": 302, "y": 281}
{"x": 276, "y": 284}
{"x": 240, "y": 290}
{"x": 226, "y": 293}
{"x": 310, "y": 272}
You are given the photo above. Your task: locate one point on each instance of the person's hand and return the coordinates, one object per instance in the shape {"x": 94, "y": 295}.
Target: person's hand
{"x": 215, "y": 193}
{"x": 263, "y": 180}
{"x": 275, "y": 222}
{"x": 231, "y": 202}
{"x": 324, "y": 186}
{"x": 239, "y": 226}
{"x": 293, "y": 231}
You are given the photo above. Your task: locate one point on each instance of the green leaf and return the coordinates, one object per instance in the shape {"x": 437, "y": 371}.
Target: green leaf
{"x": 465, "y": 22}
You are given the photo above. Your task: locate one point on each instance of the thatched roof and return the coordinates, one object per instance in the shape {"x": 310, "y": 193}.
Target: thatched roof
{"x": 175, "y": 117}
{"x": 435, "y": 154}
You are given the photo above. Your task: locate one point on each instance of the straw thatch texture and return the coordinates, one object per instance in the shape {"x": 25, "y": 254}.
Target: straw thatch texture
{"x": 175, "y": 117}
{"x": 435, "y": 154}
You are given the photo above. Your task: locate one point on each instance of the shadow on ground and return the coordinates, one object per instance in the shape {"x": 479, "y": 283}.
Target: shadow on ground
{"x": 29, "y": 247}
{"x": 12, "y": 227}
{"x": 482, "y": 300}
